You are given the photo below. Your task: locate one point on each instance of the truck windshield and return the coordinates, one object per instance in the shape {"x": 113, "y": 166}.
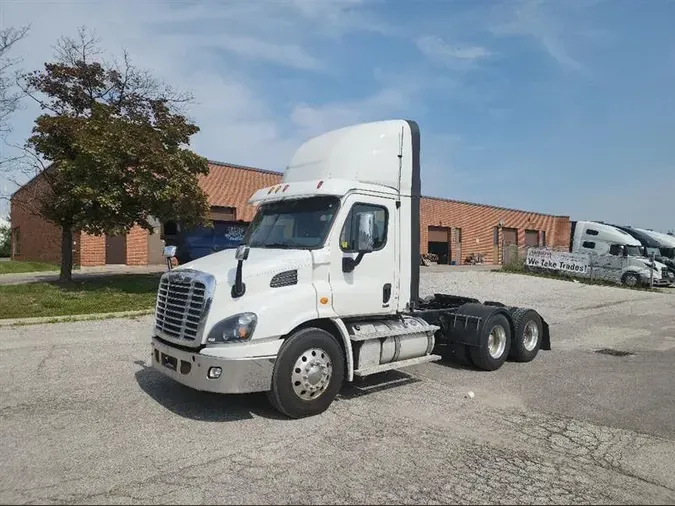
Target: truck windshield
{"x": 292, "y": 224}
{"x": 634, "y": 251}
{"x": 668, "y": 253}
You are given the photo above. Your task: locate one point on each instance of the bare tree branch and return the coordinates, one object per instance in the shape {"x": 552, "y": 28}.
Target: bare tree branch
{"x": 9, "y": 99}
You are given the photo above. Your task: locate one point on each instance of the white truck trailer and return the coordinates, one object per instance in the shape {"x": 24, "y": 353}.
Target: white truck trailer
{"x": 325, "y": 286}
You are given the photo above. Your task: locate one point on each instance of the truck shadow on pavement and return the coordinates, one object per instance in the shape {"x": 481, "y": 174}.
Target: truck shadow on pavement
{"x": 211, "y": 407}
{"x": 204, "y": 406}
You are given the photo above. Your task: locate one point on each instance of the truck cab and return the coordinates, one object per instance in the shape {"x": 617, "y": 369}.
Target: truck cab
{"x": 325, "y": 285}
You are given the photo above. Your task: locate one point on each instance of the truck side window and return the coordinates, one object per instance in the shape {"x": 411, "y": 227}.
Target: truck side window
{"x": 348, "y": 237}
{"x": 589, "y": 245}
{"x": 590, "y": 231}
{"x": 615, "y": 249}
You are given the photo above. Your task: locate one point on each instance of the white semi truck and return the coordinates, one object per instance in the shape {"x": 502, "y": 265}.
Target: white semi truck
{"x": 325, "y": 287}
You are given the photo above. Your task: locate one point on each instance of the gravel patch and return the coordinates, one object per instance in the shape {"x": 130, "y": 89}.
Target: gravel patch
{"x": 558, "y": 301}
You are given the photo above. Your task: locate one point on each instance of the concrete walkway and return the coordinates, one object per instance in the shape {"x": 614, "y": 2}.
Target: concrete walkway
{"x": 82, "y": 273}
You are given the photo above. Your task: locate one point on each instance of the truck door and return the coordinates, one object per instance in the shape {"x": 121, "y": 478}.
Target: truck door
{"x": 371, "y": 287}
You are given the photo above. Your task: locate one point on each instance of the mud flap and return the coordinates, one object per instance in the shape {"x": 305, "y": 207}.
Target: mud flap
{"x": 546, "y": 338}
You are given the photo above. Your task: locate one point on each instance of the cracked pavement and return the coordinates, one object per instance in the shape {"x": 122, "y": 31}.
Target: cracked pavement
{"x": 84, "y": 421}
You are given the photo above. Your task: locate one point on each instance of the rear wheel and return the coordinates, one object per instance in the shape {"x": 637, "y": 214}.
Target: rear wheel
{"x": 495, "y": 343}
{"x": 528, "y": 334}
{"x": 308, "y": 373}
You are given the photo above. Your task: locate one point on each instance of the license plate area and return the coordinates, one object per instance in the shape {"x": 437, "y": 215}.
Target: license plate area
{"x": 169, "y": 361}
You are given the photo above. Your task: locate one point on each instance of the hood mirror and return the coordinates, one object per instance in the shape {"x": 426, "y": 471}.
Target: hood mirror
{"x": 169, "y": 252}
{"x": 242, "y": 252}
{"x": 239, "y": 287}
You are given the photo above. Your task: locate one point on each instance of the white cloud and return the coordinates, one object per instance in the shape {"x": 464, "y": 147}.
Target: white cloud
{"x": 290, "y": 55}
{"x": 436, "y": 49}
{"x": 529, "y": 18}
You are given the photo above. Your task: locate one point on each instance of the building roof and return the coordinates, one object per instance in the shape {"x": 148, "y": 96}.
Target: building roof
{"x": 494, "y": 207}
{"x": 229, "y": 185}
{"x": 226, "y": 175}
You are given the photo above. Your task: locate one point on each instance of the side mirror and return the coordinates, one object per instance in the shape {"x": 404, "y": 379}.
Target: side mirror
{"x": 242, "y": 252}
{"x": 169, "y": 252}
{"x": 365, "y": 242}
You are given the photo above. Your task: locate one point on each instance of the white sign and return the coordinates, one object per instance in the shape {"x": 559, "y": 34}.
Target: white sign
{"x": 574, "y": 263}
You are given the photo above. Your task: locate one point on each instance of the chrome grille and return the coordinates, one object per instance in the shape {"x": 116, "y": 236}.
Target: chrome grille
{"x": 183, "y": 299}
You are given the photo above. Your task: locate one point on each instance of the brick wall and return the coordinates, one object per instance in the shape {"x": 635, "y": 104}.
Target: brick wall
{"x": 478, "y": 221}
{"x": 40, "y": 239}
{"x": 137, "y": 246}
{"x": 92, "y": 250}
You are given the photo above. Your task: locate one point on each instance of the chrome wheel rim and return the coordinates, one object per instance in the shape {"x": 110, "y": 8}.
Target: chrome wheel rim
{"x": 497, "y": 341}
{"x": 311, "y": 374}
{"x": 530, "y": 335}
{"x": 631, "y": 280}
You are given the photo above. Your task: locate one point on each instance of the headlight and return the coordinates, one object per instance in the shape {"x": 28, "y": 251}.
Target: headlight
{"x": 239, "y": 327}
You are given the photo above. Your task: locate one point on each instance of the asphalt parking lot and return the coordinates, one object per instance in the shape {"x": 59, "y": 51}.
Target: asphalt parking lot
{"x": 83, "y": 419}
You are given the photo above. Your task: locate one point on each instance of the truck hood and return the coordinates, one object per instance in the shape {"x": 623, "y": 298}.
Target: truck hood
{"x": 260, "y": 262}
{"x": 648, "y": 263}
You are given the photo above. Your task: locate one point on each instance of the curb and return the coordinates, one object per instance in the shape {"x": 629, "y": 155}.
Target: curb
{"x": 19, "y": 322}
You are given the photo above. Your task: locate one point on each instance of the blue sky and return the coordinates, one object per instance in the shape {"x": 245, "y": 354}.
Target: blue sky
{"x": 564, "y": 107}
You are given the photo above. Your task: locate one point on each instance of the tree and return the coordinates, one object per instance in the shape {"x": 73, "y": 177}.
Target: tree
{"x": 112, "y": 147}
{"x": 5, "y": 240}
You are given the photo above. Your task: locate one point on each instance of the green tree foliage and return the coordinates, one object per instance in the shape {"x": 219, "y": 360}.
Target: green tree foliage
{"x": 116, "y": 146}
{"x": 5, "y": 241}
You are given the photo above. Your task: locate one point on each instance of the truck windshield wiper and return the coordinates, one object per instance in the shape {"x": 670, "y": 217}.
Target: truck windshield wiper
{"x": 281, "y": 245}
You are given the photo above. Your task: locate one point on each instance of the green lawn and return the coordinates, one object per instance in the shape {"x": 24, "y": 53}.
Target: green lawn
{"x": 16, "y": 267}
{"x": 87, "y": 296}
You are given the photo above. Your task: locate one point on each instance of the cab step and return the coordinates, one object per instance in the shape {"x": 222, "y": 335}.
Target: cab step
{"x": 396, "y": 365}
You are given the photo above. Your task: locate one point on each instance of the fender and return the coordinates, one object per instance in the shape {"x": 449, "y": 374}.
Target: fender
{"x": 546, "y": 337}
{"x": 349, "y": 355}
{"x": 467, "y": 323}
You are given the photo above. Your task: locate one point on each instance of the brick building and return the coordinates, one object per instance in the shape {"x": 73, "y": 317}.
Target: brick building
{"x": 450, "y": 229}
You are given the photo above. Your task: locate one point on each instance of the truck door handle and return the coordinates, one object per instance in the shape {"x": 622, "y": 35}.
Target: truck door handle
{"x": 386, "y": 293}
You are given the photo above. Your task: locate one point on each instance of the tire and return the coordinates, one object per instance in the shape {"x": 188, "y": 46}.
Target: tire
{"x": 492, "y": 353}
{"x": 631, "y": 279}
{"x": 293, "y": 393}
{"x": 528, "y": 333}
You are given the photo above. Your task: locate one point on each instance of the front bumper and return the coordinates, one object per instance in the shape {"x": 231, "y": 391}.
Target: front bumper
{"x": 239, "y": 375}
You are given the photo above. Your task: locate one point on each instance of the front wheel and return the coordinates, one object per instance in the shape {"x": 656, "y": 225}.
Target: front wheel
{"x": 494, "y": 343}
{"x": 631, "y": 279}
{"x": 308, "y": 373}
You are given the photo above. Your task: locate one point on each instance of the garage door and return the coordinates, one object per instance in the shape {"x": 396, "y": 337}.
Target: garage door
{"x": 439, "y": 234}
{"x": 531, "y": 238}
{"x": 510, "y": 236}
{"x": 116, "y": 249}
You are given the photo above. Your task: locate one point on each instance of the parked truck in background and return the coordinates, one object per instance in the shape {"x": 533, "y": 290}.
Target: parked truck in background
{"x": 651, "y": 248}
{"x": 325, "y": 285}
{"x": 666, "y": 246}
{"x": 614, "y": 250}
